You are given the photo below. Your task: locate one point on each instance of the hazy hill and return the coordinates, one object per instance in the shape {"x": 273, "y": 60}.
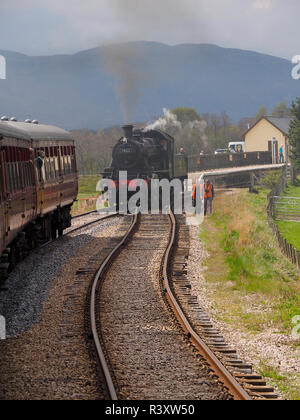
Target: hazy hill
{"x": 91, "y": 88}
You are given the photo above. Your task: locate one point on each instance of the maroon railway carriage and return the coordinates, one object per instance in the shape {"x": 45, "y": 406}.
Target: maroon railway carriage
{"x": 38, "y": 185}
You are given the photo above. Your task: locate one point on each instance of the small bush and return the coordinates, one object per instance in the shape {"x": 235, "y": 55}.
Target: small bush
{"x": 271, "y": 179}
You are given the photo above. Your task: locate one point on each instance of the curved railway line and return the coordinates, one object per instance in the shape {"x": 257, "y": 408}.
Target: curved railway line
{"x": 232, "y": 382}
{"x": 85, "y": 225}
{"x": 154, "y": 336}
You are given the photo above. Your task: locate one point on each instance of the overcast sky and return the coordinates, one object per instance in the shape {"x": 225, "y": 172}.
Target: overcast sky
{"x": 44, "y": 27}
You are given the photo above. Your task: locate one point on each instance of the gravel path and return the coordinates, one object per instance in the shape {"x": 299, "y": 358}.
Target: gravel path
{"x": 148, "y": 355}
{"x": 50, "y": 360}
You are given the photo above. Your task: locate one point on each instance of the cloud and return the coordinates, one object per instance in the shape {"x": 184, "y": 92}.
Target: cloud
{"x": 56, "y": 26}
{"x": 262, "y": 4}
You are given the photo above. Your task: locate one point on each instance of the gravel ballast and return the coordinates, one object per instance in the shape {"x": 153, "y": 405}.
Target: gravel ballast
{"x": 149, "y": 357}
{"x": 29, "y": 283}
{"x": 50, "y": 358}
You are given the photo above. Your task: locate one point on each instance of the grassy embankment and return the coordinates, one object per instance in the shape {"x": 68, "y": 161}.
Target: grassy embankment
{"x": 253, "y": 286}
{"x": 87, "y": 189}
{"x": 291, "y": 230}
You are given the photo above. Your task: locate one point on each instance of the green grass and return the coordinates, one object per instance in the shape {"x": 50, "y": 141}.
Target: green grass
{"x": 284, "y": 382}
{"x": 87, "y": 186}
{"x": 86, "y": 189}
{"x": 292, "y": 190}
{"x": 291, "y": 230}
{"x": 250, "y": 283}
{"x": 245, "y": 255}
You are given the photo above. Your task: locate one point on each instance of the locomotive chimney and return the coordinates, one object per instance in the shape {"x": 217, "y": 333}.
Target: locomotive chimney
{"x": 128, "y": 131}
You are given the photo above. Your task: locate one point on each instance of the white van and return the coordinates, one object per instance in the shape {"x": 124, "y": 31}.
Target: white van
{"x": 236, "y": 147}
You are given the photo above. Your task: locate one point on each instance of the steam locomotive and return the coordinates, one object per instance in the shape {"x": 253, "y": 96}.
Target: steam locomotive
{"x": 146, "y": 154}
{"x": 38, "y": 185}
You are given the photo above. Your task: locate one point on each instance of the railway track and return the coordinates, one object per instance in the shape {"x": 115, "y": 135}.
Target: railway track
{"x": 169, "y": 248}
{"x": 103, "y": 354}
{"x": 84, "y": 225}
{"x": 90, "y": 223}
{"x": 145, "y": 355}
{"x": 243, "y": 372}
{"x": 51, "y": 359}
{"x": 241, "y": 383}
{"x": 111, "y": 392}
{"x": 235, "y": 389}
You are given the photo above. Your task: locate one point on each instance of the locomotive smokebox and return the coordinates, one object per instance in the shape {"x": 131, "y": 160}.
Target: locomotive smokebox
{"x": 128, "y": 131}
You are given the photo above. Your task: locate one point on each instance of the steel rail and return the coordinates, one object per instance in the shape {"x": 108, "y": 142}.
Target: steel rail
{"x": 93, "y": 321}
{"x": 225, "y": 376}
{"x": 110, "y": 216}
{"x": 84, "y": 214}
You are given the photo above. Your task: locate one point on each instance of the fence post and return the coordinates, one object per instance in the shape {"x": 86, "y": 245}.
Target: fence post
{"x": 286, "y": 248}
{"x": 298, "y": 258}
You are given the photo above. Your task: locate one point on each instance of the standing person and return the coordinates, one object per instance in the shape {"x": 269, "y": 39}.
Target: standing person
{"x": 182, "y": 151}
{"x": 209, "y": 195}
{"x": 281, "y": 155}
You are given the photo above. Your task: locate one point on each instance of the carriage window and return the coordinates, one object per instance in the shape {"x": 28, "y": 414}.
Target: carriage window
{"x": 46, "y": 168}
{"x": 51, "y": 171}
{"x": 62, "y": 165}
{"x": 56, "y": 167}
{"x": 1, "y": 184}
{"x": 69, "y": 164}
{"x": 12, "y": 176}
{"x": 30, "y": 175}
{"x": 66, "y": 164}
{"x": 7, "y": 177}
{"x": 18, "y": 176}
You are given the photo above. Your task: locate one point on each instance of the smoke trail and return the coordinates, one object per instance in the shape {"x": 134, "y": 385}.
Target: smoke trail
{"x": 121, "y": 61}
{"x": 169, "y": 122}
{"x": 198, "y": 128}
{"x": 165, "y": 123}
{"x": 141, "y": 20}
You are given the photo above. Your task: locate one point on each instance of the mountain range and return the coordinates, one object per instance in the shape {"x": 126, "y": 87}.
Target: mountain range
{"x": 130, "y": 82}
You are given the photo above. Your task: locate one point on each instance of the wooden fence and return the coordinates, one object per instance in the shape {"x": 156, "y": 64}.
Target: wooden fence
{"x": 287, "y": 249}
{"x": 286, "y": 208}
{"x": 206, "y": 162}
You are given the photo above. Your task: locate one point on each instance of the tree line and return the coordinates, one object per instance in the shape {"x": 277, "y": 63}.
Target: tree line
{"x": 194, "y": 132}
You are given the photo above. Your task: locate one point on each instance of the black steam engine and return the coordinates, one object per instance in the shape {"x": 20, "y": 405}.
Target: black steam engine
{"x": 146, "y": 154}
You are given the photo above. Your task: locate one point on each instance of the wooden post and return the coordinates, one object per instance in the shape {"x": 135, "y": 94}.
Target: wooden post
{"x": 252, "y": 182}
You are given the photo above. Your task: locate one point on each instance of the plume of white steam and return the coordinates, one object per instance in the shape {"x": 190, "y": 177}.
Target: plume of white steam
{"x": 169, "y": 122}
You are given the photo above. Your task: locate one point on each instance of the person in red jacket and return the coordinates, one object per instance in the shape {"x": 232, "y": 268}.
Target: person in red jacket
{"x": 209, "y": 195}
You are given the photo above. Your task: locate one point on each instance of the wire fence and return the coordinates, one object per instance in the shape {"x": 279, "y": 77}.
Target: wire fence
{"x": 286, "y": 208}
{"x": 287, "y": 249}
